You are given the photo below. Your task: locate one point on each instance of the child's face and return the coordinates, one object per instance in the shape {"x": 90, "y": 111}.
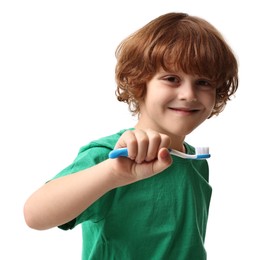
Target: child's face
{"x": 176, "y": 103}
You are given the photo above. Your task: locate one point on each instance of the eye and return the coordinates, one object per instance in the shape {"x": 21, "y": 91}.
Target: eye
{"x": 172, "y": 79}
{"x": 204, "y": 83}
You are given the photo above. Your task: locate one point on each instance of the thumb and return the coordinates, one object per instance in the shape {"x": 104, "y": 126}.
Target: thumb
{"x": 163, "y": 161}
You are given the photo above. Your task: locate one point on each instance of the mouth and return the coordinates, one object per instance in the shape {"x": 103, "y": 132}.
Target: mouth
{"x": 184, "y": 110}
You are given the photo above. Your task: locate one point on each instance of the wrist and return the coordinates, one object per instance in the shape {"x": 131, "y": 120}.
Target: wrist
{"x": 120, "y": 172}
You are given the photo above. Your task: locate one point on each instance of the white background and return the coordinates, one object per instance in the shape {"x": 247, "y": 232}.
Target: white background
{"x": 57, "y": 94}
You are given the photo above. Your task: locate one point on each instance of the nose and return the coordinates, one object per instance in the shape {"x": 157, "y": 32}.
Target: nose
{"x": 186, "y": 91}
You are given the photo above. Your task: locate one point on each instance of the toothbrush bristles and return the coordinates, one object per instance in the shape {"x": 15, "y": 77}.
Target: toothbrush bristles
{"x": 202, "y": 150}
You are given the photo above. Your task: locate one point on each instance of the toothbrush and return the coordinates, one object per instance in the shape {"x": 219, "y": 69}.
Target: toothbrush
{"x": 200, "y": 153}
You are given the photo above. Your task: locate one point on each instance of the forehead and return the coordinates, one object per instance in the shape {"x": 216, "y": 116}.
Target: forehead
{"x": 192, "y": 49}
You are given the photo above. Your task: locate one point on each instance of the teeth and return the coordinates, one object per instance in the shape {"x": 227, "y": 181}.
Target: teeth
{"x": 202, "y": 150}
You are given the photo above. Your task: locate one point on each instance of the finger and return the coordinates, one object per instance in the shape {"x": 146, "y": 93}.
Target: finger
{"x": 164, "y": 160}
{"x": 129, "y": 140}
{"x": 156, "y": 142}
{"x": 165, "y": 141}
{"x": 122, "y": 141}
{"x": 142, "y": 145}
{"x": 154, "y": 145}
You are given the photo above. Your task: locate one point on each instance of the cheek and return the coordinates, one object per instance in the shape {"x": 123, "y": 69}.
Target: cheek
{"x": 210, "y": 100}
{"x": 211, "y": 104}
{"x": 156, "y": 97}
{"x": 213, "y": 99}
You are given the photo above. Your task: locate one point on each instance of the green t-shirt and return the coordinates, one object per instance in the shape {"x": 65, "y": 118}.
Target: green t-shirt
{"x": 162, "y": 217}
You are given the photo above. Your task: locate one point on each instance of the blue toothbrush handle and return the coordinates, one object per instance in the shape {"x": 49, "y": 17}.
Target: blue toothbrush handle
{"x": 124, "y": 152}
{"x": 118, "y": 152}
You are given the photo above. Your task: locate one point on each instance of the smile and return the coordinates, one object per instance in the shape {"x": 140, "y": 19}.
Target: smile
{"x": 184, "y": 110}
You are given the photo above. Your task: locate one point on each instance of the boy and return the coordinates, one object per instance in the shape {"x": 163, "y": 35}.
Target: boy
{"x": 174, "y": 73}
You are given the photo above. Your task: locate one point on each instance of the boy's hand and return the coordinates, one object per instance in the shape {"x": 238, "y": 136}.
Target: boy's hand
{"x": 147, "y": 155}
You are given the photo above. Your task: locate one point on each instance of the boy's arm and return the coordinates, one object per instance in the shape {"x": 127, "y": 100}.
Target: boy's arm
{"x": 61, "y": 200}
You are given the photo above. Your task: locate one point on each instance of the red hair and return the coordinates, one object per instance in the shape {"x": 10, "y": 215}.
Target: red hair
{"x": 175, "y": 41}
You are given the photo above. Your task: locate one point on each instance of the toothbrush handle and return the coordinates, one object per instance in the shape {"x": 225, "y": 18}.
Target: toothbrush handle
{"x": 124, "y": 152}
{"x": 118, "y": 152}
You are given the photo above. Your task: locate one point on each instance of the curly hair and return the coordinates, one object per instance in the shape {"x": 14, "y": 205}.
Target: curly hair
{"x": 175, "y": 41}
